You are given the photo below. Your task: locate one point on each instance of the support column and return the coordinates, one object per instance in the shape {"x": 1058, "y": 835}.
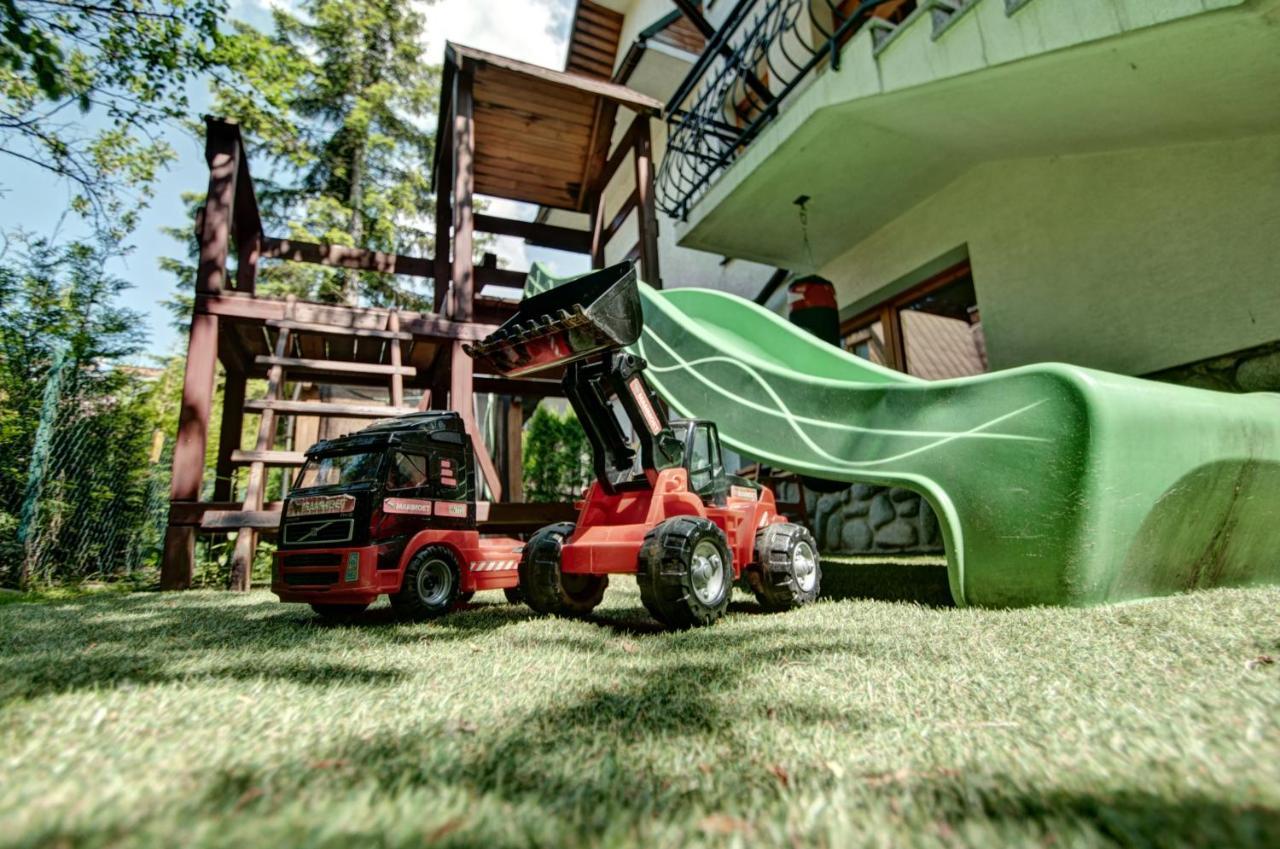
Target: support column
{"x": 646, "y": 208}
{"x": 222, "y": 152}
{"x": 443, "y": 267}
{"x": 462, "y": 400}
{"x": 229, "y": 433}
{"x": 515, "y": 449}
{"x": 462, "y": 291}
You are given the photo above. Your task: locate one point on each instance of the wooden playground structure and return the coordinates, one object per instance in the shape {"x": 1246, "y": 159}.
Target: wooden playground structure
{"x": 507, "y": 130}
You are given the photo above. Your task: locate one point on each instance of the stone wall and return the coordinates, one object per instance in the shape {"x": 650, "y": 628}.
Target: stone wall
{"x": 866, "y": 519}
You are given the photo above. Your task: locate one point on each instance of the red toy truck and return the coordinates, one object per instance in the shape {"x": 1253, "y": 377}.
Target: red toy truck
{"x": 662, "y": 507}
{"x": 390, "y": 509}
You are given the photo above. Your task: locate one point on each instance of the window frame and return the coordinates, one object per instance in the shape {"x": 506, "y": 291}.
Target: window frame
{"x": 889, "y": 314}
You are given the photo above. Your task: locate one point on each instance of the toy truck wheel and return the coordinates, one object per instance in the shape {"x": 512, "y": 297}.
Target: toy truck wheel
{"x": 545, "y": 588}
{"x": 338, "y": 612}
{"x": 686, "y": 573}
{"x": 514, "y": 595}
{"x": 787, "y": 570}
{"x": 463, "y": 598}
{"x": 430, "y": 585}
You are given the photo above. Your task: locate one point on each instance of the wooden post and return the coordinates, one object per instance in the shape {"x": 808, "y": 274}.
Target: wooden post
{"x": 229, "y": 432}
{"x": 222, "y": 152}
{"x": 646, "y": 208}
{"x": 247, "y": 538}
{"x": 444, "y": 219}
{"x": 462, "y": 400}
{"x": 462, "y": 291}
{"x": 597, "y": 228}
{"x": 397, "y": 379}
{"x": 515, "y": 449}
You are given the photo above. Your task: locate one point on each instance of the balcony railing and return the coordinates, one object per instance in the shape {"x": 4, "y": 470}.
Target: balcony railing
{"x": 762, "y": 53}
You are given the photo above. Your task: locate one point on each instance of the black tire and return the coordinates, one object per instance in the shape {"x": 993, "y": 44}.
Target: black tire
{"x": 514, "y": 595}
{"x": 431, "y": 583}
{"x": 675, "y": 585}
{"x": 542, "y": 585}
{"x": 338, "y": 612}
{"x": 463, "y": 598}
{"x": 787, "y": 572}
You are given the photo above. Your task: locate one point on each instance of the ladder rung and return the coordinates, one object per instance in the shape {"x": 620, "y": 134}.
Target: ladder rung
{"x": 337, "y": 330}
{"x": 271, "y": 458}
{"x": 333, "y": 366}
{"x": 323, "y": 410}
{"x": 216, "y": 520}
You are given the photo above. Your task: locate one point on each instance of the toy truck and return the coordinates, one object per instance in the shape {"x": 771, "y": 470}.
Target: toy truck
{"x": 661, "y": 507}
{"x": 390, "y": 509}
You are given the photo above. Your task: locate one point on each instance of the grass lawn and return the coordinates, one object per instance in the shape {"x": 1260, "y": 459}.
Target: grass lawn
{"x": 208, "y": 719}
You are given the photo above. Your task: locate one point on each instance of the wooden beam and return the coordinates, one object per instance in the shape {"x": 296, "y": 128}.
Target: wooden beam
{"x": 321, "y": 409}
{"x": 489, "y": 276}
{"x": 222, "y": 153}
{"x": 397, "y": 376}
{"x": 247, "y": 539}
{"x": 332, "y": 367}
{"x": 516, "y": 386}
{"x": 514, "y": 414}
{"x": 462, "y": 281}
{"x": 462, "y": 399}
{"x": 336, "y": 330}
{"x": 523, "y": 517}
{"x": 189, "y": 449}
{"x": 646, "y": 203}
{"x": 268, "y": 457}
{"x": 597, "y": 229}
{"x": 245, "y": 521}
{"x": 542, "y": 235}
{"x": 193, "y": 514}
{"x": 341, "y": 256}
{"x": 229, "y": 432}
{"x": 620, "y": 217}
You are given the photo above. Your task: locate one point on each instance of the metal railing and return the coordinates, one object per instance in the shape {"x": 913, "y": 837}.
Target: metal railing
{"x": 764, "y": 50}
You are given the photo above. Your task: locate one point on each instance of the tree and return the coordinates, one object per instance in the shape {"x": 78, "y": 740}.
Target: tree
{"x": 557, "y": 458}
{"x": 76, "y": 425}
{"x": 64, "y": 63}
{"x": 339, "y": 100}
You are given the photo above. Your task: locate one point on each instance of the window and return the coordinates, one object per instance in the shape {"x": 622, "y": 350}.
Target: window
{"x": 450, "y": 476}
{"x": 339, "y": 469}
{"x": 932, "y": 330}
{"x": 700, "y": 459}
{"x": 407, "y": 471}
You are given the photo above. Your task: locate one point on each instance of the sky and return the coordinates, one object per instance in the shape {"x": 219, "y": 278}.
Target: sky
{"x": 532, "y": 30}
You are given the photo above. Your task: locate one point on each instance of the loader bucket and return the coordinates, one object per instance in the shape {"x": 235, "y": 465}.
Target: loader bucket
{"x": 597, "y": 312}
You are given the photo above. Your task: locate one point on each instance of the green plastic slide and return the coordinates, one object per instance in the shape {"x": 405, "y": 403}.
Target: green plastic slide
{"x": 1053, "y": 484}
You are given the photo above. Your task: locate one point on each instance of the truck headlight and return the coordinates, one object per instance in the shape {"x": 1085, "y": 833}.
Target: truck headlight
{"x": 353, "y": 567}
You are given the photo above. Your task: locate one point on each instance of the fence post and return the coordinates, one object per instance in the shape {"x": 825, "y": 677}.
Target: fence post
{"x": 38, "y": 467}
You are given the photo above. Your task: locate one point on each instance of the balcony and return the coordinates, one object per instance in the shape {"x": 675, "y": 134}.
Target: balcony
{"x": 868, "y": 108}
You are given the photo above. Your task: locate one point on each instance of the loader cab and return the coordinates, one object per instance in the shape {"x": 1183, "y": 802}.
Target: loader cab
{"x": 703, "y": 459}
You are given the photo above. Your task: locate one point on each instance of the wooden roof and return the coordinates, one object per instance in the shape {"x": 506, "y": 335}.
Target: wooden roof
{"x": 541, "y": 136}
{"x": 593, "y": 41}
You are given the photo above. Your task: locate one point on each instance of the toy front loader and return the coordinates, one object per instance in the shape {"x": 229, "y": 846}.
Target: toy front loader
{"x": 662, "y": 507}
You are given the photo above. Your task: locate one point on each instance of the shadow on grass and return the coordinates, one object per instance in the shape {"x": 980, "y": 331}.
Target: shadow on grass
{"x": 887, "y": 581}
{"x": 156, "y": 638}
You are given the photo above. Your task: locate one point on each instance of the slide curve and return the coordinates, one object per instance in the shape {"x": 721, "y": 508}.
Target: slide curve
{"x": 1053, "y": 484}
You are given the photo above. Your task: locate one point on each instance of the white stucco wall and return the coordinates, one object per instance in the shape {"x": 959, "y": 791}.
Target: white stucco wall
{"x": 1132, "y": 261}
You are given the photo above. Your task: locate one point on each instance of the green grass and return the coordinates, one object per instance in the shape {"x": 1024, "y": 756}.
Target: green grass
{"x": 207, "y": 719}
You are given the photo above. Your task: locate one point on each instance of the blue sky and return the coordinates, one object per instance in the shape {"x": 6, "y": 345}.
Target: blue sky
{"x": 532, "y": 30}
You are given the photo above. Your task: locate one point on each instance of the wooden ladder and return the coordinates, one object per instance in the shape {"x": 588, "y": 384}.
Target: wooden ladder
{"x": 250, "y": 518}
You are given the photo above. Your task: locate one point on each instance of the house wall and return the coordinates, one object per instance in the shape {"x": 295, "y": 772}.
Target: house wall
{"x": 1133, "y": 261}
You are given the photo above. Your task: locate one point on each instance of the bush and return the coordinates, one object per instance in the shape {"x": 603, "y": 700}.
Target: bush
{"x": 557, "y": 457}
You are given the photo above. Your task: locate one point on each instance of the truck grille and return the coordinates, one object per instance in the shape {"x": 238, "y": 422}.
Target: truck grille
{"x": 324, "y": 531}
{"x": 319, "y": 558}
{"x": 309, "y": 578}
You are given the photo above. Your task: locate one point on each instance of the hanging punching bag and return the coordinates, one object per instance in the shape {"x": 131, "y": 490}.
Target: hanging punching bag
{"x": 811, "y": 304}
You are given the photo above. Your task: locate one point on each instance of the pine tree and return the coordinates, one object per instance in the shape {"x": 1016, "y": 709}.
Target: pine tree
{"x": 337, "y": 100}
